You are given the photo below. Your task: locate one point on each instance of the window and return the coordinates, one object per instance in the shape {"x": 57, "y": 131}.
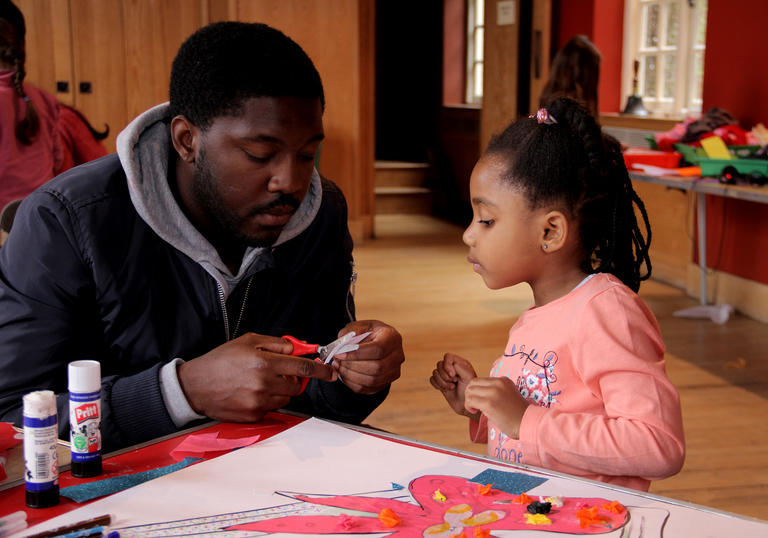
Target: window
{"x": 475, "y": 19}
{"x": 667, "y": 38}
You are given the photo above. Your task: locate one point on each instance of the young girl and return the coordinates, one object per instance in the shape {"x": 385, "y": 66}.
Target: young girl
{"x": 30, "y": 148}
{"x": 581, "y": 387}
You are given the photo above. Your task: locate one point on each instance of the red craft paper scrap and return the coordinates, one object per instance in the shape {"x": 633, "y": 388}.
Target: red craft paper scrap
{"x": 9, "y": 437}
{"x": 201, "y": 443}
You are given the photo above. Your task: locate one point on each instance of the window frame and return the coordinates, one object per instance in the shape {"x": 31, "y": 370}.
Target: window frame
{"x": 473, "y": 8}
{"x": 684, "y": 100}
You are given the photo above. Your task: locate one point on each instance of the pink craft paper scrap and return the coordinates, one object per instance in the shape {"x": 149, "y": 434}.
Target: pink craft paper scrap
{"x": 463, "y": 508}
{"x": 201, "y": 443}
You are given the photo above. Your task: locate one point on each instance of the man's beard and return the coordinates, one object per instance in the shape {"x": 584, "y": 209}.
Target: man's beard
{"x": 225, "y": 223}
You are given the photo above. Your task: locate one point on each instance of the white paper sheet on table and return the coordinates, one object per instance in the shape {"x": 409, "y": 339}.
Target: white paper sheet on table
{"x": 316, "y": 456}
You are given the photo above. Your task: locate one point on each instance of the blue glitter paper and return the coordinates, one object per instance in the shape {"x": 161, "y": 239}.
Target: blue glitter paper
{"x": 397, "y": 486}
{"x": 512, "y": 483}
{"x": 100, "y": 488}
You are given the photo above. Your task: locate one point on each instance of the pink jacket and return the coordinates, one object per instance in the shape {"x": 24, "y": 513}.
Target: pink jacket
{"x": 592, "y": 365}
{"x": 23, "y": 167}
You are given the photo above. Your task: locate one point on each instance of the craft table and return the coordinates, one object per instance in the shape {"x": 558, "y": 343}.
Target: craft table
{"x": 702, "y": 187}
{"x": 341, "y": 470}
{"x": 138, "y": 459}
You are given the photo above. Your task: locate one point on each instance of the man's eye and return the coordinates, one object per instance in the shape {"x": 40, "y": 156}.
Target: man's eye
{"x": 258, "y": 159}
{"x": 487, "y": 222}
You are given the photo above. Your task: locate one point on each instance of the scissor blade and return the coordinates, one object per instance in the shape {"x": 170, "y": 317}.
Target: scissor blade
{"x": 348, "y": 342}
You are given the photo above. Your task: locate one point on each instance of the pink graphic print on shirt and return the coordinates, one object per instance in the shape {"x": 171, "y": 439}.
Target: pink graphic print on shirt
{"x": 535, "y": 377}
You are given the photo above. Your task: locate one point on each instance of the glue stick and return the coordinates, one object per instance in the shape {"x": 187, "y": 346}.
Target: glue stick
{"x": 85, "y": 418}
{"x": 41, "y": 460}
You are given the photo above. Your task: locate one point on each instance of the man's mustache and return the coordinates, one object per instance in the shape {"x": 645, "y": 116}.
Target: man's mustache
{"x": 284, "y": 200}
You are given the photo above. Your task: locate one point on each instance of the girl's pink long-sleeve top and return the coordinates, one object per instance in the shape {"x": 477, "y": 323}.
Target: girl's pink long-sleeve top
{"x": 602, "y": 407}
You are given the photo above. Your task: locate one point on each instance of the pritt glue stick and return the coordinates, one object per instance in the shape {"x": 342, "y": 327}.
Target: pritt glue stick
{"x": 41, "y": 460}
{"x": 85, "y": 417}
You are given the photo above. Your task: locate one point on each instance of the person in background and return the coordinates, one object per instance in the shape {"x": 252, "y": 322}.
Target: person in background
{"x": 31, "y": 152}
{"x": 82, "y": 143}
{"x": 581, "y": 387}
{"x": 181, "y": 261}
{"x": 575, "y": 73}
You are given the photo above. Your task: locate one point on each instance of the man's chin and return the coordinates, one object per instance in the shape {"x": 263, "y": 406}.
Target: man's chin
{"x": 262, "y": 239}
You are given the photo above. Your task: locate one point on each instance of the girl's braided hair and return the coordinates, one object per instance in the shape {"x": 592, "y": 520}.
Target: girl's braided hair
{"x": 570, "y": 164}
{"x": 12, "y": 52}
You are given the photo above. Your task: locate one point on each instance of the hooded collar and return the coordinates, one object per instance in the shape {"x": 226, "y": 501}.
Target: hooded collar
{"x": 144, "y": 148}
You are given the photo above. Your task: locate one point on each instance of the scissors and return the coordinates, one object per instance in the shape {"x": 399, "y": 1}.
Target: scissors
{"x": 348, "y": 342}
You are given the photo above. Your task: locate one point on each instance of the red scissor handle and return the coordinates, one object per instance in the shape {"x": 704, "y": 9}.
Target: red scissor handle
{"x": 300, "y": 347}
{"x": 305, "y": 380}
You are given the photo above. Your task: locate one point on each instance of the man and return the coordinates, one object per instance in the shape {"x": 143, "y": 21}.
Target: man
{"x": 208, "y": 223}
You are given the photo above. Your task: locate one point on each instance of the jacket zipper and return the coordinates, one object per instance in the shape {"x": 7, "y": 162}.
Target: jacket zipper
{"x": 223, "y": 303}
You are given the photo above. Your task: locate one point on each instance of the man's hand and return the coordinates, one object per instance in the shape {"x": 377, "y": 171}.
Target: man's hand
{"x": 376, "y": 363}
{"x": 451, "y": 377}
{"x": 499, "y": 399}
{"x": 243, "y": 379}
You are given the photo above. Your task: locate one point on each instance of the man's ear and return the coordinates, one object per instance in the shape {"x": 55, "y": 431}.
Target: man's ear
{"x": 185, "y": 137}
{"x": 554, "y": 231}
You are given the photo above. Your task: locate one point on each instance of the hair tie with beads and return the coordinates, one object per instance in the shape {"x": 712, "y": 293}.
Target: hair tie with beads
{"x": 542, "y": 116}
{"x": 26, "y": 98}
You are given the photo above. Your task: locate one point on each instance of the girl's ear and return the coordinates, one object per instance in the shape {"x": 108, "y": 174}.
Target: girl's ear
{"x": 184, "y": 136}
{"x": 554, "y": 231}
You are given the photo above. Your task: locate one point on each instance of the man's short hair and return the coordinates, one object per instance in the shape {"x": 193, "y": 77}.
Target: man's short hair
{"x": 225, "y": 63}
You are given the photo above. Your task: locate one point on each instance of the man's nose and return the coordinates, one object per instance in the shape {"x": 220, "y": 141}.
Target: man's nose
{"x": 289, "y": 176}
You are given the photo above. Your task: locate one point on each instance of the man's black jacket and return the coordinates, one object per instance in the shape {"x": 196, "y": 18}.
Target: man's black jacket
{"x": 82, "y": 276}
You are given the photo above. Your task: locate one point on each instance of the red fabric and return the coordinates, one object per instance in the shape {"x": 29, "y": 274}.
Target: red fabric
{"x": 77, "y": 140}
{"x": 24, "y": 167}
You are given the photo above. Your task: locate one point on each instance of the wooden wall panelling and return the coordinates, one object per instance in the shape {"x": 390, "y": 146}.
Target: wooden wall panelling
{"x": 541, "y": 37}
{"x": 363, "y": 188}
{"x": 98, "y": 48}
{"x": 49, "y": 46}
{"x": 338, "y": 36}
{"x": 154, "y": 30}
{"x": 123, "y": 48}
{"x": 222, "y": 10}
{"x": 500, "y": 79}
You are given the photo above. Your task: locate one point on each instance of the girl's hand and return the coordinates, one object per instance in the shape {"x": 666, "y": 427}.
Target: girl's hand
{"x": 499, "y": 399}
{"x": 451, "y": 377}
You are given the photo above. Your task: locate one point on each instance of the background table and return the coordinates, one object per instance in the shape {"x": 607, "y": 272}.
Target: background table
{"x": 702, "y": 187}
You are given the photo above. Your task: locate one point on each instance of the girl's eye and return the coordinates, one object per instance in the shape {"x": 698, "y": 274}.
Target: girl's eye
{"x": 485, "y": 222}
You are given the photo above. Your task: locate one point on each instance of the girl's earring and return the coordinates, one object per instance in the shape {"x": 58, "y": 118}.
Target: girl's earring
{"x": 544, "y": 246}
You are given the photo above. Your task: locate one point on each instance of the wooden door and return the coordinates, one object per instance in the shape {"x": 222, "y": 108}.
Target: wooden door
{"x": 49, "y": 47}
{"x": 98, "y": 52}
{"x": 110, "y": 59}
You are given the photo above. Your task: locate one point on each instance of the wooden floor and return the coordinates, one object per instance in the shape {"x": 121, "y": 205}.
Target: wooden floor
{"x": 414, "y": 275}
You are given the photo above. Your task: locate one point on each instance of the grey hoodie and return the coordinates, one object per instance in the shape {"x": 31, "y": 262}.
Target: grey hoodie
{"x": 143, "y": 148}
